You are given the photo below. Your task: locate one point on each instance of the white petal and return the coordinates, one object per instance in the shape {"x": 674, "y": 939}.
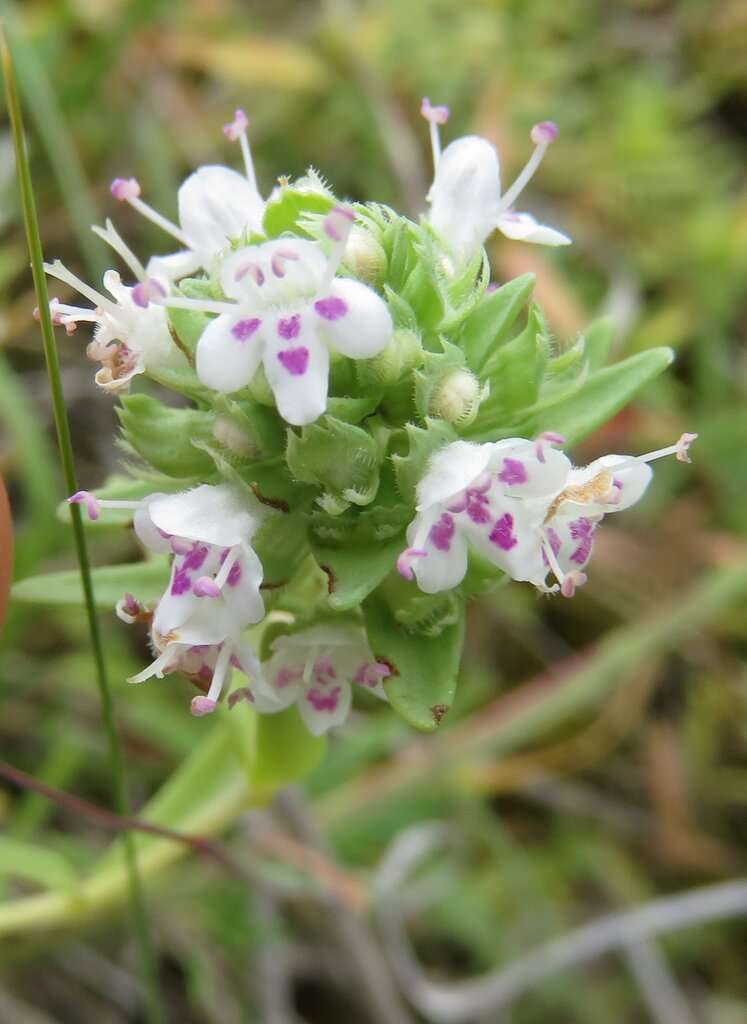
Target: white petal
{"x": 215, "y": 205}
{"x": 174, "y": 266}
{"x": 213, "y": 513}
{"x": 522, "y": 473}
{"x": 146, "y": 530}
{"x": 354, "y": 319}
{"x": 296, "y": 363}
{"x": 209, "y": 624}
{"x": 282, "y": 681}
{"x": 524, "y": 228}
{"x": 323, "y": 707}
{"x": 509, "y": 540}
{"x": 439, "y": 570}
{"x": 465, "y": 195}
{"x": 631, "y": 478}
{"x": 451, "y": 470}
{"x": 229, "y": 351}
{"x": 244, "y": 598}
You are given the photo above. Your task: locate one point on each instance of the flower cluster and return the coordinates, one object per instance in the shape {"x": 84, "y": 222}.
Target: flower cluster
{"x": 346, "y": 417}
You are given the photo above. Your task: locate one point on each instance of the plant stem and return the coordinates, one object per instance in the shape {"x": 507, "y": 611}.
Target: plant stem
{"x": 155, "y": 1011}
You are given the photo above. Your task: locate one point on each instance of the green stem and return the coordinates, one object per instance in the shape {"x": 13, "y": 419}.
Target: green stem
{"x": 155, "y": 1011}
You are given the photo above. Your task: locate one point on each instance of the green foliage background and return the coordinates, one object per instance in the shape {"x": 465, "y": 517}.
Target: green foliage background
{"x": 579, "y": 786}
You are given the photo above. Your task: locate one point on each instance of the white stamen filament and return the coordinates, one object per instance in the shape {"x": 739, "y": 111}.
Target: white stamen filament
{"x": 551, "y": 559}
{"x": 435, "y": 134}
{"x": 201, "y": 305}
{"x": 112, "y": 237}
{"x": 507, "y": 200}
{"x": 157, "y": 667}
{"x": 248, "y": 162}
{"x": 219, "y": 673}
{"x": 158, "y": 219}
{"x": 60, "y": 271}
{"x": 228, "y": 564}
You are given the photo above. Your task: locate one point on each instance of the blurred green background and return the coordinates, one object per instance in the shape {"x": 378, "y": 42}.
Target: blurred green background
{"x": 596, "y": 755}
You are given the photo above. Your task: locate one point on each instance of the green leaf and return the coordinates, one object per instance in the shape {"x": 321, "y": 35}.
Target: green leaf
{"x": 602, "y": 395}
{"x": 424, "y": 668}
{"x": 166, "y": 437}
{"x": 598, "y": 338}
{"x": 489, "y": 324}
{"x": 111, "y": 582}
{"x": 45, "y": 867}
{"x": 283, "y": 213}
{"x": 355, "y": 570}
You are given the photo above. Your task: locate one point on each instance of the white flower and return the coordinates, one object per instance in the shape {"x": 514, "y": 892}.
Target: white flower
{"x": 216, "y": 205}
{"x": 287, "y": 308}
{"x": 214, "y": 589}
{"x": 128, "y": 339}
{"x": 466, "y": 201}
{"x": 315, "y": 668}
{"x": 524, "y": 508}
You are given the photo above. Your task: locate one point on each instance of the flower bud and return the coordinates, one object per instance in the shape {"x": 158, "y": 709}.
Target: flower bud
{"x": 232, "y": 436}
{"x": 456, "y": 397}
{"x": 403, "y": 353}
{"x": 364, "y": 256}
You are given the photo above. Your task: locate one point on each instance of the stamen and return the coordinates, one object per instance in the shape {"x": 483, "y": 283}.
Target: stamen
{"x": 679, "y": 450}
{"x": 112, "y": 237}
{"x": 128, "y": 191}
{"x": 201, "y": 305}
{"x": 205, "y": 587}
{"x": 202, "y": 705}
{"x": 435, "y": 116}
{"x": 406, "y": 559}
{"x": 236, "y": 130}
{"x": 547, "y": 437}
{"x": 542, "y": 135}
{"x": 58, "y": 270}
{"x": 93, "y": 507}
{"x": 150, "y": 290}
{"x": 157, "y": 667}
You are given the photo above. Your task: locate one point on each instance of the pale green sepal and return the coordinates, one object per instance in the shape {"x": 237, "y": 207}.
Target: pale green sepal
{"x": 166, "y": 438}
{"x": 289, "y": 204}
{"x": 411, "y": 467}
{"x": 338, "y": 457}
{"x": 424, "y": 668}
{"x": 490, "y": 322}
{"x": 355, "y": 569}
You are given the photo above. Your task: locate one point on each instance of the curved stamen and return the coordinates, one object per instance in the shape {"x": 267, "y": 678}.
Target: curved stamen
{"x": 60, "y": 271}
{"x": 435, "y": 116}
{"x": 236, "y": 130}
{"x": 128, "y": 191}
{"x": 543, "y": 135}
{"x": 337, "y": 225}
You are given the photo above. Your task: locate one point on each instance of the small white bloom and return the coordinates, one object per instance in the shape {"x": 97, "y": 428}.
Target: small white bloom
{"x": 128, "y": 339}
{"x": 216, "y": 205}
{"x": 288, "y": 308}
{"x": 466, "y": 200}
{"x": 315, "y": 668}
{"x": 522, "y": 505}
{"x": 213, "y": 593}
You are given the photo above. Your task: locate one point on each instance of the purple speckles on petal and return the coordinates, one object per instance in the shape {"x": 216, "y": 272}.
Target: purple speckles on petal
{"x": 582, "y": 530}
{"x": 502, "y": 534}
{"x": 295, "y": 360}
{"x": 290, "y": 328}
{"x": 513, "y": 472}
{"x": 181, "y": 582}
{"x": 442, "y": 532}
{"x": 324, "y": 701}
{"x": 286, "y": 676}
{"x": 331, "y": 308}
{"x": 244, "y": 329}
{"x": 478, "y": 510}
{"x": 196, "y": 558}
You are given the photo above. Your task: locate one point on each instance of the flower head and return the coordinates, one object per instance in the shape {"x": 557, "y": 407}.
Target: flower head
{"x": 315, "y": 668}
{"x": 127, "y": 340}
{"x": 287, "y": 307}
{"x": 466, "y": 200}
{"x": 522, "y": 506}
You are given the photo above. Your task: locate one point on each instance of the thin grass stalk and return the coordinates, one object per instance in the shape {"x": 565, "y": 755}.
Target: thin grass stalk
{"x": 154, "y": 1003}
